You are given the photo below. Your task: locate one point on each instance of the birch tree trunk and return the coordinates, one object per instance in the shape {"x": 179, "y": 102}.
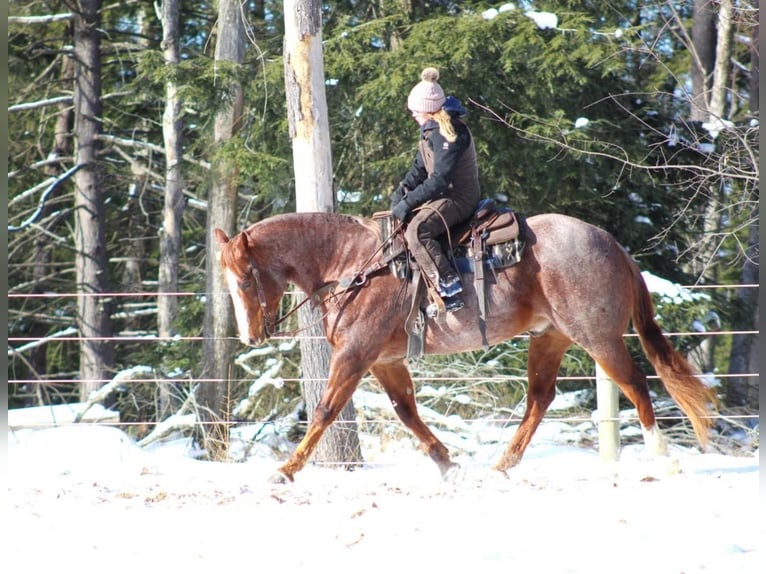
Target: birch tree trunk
{"x": 312, "y": 161}
{"x": 722, "y": 61}
{"x": 218, "y": 347}
{"x": 703, "y": 58}
{"x": 91, "y": 270}
{"x": 170, "y": 234}
{"x": 715, "y": 209}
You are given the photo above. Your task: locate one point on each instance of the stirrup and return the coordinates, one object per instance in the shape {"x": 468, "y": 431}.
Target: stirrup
{"x": 451, "y": 304}
{"x": 450, "y": 287}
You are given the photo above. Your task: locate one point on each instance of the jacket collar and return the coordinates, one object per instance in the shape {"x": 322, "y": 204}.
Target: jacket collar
{"x": 429, "y": 125}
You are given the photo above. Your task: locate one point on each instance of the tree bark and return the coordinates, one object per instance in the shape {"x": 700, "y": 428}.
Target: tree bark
{"x": 755, "y": 61}
{"x": 91, "y": 269}
{"x": 218, "y": 347}
{"x": 172, "y": 125}
{"x": 703, "y": 58}
{"x": 743, "y": 391}
{"x": 312, "y": 161}
{"x": 722, "y": 61}
{"x": 43, "y": 245}
{"x": 745, "y": 349}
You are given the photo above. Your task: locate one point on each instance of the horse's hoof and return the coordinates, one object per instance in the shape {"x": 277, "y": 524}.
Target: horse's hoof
{"x": 281, "y": 477}
{"x": 452, "y": 473}
{"x": 500, "y": 472}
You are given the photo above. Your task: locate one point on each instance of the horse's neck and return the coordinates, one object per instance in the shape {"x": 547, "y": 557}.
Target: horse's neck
{"x": 312, "y": 251}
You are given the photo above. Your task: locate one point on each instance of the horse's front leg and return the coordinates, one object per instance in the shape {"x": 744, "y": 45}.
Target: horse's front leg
{"x": 345, "y": 373}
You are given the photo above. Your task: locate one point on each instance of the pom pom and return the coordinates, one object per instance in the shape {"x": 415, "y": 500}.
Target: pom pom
{"x": 429, "y": 75}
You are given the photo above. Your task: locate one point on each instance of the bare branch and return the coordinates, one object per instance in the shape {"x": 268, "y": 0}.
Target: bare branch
{"x": 40, "y": 104}
{"x": 616, "y": 153}
{"x": 41, "y": 204}
{"x": 48, "y": 19}
{"x": 149, "y": 146}
{"x": 50, "y": 160}
{"x": 40, "y": 342}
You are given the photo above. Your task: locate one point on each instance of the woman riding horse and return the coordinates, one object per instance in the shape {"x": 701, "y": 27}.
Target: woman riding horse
{"x": 443, "y": 183}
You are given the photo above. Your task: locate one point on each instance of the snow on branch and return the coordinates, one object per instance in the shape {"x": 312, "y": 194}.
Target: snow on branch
{"x": 268, "y": 378}
{"x": 39, "y": 342}
{"x": 48, "y": 19}
{"x": 173, "y": 423}
{"x": 41, "y": 204}
{"x": 40, "y": 104}
{"x": 169, "y": 426}
{"x": 120, "y": 378}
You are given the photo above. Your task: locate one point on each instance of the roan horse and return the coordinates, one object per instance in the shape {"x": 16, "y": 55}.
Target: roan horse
{"x": 574, "y": 284}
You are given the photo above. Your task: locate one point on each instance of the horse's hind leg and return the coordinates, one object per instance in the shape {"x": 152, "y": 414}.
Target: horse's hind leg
{"x": 543, "y": 362}
{"x": 396, "y": 380}
{"x": 620, "y": 367}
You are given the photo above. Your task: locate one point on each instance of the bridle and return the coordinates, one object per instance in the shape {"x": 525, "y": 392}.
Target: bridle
{"x": 269, "y": 323}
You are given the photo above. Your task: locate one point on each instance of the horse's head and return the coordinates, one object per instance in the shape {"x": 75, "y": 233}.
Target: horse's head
{"x": 252, "y": 291}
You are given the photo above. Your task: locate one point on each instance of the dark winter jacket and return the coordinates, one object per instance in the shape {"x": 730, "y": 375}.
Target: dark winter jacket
{"x": 442, "y": 168}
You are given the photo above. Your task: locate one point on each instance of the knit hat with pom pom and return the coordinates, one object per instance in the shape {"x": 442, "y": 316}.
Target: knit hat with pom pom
{"x": 427, "y": 95}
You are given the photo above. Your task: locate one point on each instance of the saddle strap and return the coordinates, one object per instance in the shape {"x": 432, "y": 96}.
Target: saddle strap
{"x": 478, "y": 282}
{"x": 415, "y": 323}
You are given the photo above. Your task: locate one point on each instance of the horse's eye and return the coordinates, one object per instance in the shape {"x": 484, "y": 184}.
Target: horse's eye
{"x": 245, "y": 285}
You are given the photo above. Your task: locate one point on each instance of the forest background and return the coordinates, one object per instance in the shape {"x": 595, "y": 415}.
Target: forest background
{"x": 126, "y": 117}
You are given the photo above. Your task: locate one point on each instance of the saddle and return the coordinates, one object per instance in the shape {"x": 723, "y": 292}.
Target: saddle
{"x": 492, "y": 238}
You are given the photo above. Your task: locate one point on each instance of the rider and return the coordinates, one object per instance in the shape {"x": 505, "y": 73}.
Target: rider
{"x": 443, "y": 183}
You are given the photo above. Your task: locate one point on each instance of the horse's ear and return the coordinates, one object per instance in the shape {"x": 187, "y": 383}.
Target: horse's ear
{"x": 220, "y": 236}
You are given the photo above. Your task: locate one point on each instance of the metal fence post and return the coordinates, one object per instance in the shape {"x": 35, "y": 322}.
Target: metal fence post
{"x": 607, "y": 404}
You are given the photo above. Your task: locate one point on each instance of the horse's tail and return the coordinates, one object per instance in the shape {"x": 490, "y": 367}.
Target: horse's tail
{"x": 679, "y": 377}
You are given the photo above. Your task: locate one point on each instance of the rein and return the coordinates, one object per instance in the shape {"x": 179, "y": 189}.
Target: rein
{"x": 319, "y": 296}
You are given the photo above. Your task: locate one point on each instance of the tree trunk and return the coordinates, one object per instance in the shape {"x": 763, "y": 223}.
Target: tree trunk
{"x": 703, "y": 58}
{"x": 743, "y": 391}
{"x": 722, "y": 61}
{"x": 310, "y": 136}
{"x": 754, "y": 62}
{"x": 170, "y": 234}
{"x": 43, "y": 245}
{"x": 745, "y": 349}
{"x": 92, "y": 272}
{"x": 218, "y": 347}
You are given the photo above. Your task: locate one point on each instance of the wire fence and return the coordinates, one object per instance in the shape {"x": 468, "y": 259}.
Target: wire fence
{"x": 502, "y": 415}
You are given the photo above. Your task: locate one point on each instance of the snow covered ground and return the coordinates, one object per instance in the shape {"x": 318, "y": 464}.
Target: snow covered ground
{"x": 87, "y": 499}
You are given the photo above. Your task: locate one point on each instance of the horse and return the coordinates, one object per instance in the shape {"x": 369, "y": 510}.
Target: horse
{"x": 574, "y": 284}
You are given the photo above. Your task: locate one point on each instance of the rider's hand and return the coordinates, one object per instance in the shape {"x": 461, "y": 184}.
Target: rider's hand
{"x": 401, "y": 210}
{"x": 398, "y": 194}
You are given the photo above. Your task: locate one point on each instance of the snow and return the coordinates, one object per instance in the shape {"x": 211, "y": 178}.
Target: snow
{"x": 716, "y": 126}
{"x": 543, "y": 20}
{"x": 87, "y": 498}
{"x": 669, "y": 290}
{"x": 581, "y": 122}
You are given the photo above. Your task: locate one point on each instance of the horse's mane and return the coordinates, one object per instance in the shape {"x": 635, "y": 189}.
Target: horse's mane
{"x": 332, "y": 219}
